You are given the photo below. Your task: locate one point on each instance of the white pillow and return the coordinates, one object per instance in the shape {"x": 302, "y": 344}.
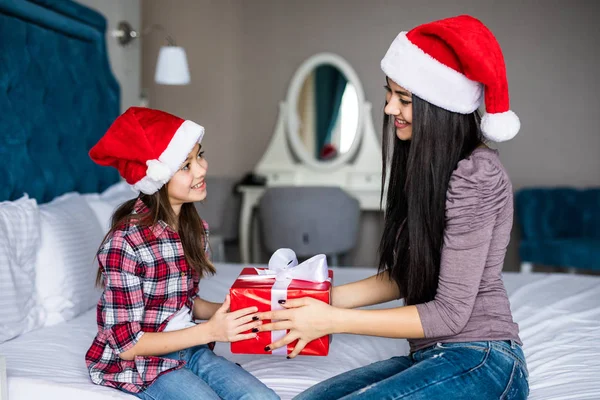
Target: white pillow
{"x": 19, "y": 240}
{"x": 66, "y": 266}
{"x": 105, "y": 204}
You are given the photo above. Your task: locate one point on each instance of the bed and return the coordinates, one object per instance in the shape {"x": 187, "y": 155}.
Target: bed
{"x": 57, "y": 97}
{"x": 559, "y": 317}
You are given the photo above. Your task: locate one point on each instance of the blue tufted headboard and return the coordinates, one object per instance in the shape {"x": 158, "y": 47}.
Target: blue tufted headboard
{"x": 57, "y": 97}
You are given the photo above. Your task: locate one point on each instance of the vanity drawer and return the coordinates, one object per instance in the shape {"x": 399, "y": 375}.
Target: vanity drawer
{"x": 280, "y": 178}
{"x": 366, "y": 180}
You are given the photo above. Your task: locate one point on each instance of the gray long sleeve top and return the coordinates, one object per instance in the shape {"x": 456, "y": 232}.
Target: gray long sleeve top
{"x": 471, "y": 303}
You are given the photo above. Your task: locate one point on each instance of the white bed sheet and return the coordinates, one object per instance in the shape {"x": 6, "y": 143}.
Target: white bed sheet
{"x": 559, "y": 317}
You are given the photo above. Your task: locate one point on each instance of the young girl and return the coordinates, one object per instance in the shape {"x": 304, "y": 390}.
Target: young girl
{"x": 448, "y": 219}
{"x": 150, "y": 263}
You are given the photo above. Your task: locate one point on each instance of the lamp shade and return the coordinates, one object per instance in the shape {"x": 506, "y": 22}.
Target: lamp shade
{"x": 172, "y": 66}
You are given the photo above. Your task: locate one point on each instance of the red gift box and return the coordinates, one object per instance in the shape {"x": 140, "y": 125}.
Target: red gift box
{"x": 248, "y": 292}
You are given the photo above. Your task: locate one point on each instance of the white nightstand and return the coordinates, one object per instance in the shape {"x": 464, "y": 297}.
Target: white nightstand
{"x": 3, "y": 380}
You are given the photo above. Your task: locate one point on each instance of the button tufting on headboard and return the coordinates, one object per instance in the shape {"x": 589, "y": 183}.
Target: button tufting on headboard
{"x": 57, "y": 98}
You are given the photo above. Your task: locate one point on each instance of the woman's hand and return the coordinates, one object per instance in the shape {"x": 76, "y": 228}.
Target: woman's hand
{"x": 225, "y": 326}
{"x": 306, "y": 319}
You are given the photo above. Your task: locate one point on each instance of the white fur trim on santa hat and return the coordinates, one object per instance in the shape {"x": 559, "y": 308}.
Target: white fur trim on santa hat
{"x": 500, "y": 127}
{"x": 426, "y": 77}
{"x": 160, "y": 171}
{"x": 148, "y": 186}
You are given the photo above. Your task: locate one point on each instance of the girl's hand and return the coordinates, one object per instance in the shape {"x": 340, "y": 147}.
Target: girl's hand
{"x": 307, "y": 319}
{"x": 228, "y": 326}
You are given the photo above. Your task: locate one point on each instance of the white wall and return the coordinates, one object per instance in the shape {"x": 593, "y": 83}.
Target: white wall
{"x": 125, "y": 61}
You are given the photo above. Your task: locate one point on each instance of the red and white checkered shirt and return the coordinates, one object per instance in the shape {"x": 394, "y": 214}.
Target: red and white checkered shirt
{"x": 147, "y": 280}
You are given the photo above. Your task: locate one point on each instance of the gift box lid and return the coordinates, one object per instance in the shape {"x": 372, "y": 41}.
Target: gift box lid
{"x": 267, "y": 283}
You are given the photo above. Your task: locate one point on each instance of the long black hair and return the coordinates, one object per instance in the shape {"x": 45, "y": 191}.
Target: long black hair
{"x": 419, "y": 175}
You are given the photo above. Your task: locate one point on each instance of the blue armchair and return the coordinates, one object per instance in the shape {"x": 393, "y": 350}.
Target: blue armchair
{"x": 559, "y": 227}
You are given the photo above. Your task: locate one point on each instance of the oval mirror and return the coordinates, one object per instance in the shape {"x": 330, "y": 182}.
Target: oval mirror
{"x": 325, "y": 101}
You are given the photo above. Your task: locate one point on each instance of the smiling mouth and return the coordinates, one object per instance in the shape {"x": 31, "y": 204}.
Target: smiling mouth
{"x": 198, "y": 185}
{"x": 400, "y": 123}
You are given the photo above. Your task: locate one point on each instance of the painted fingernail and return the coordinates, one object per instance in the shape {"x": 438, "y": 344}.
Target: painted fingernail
{"x": 267, "y": 348}
{"x": 255, "y": 318}
{"x": 254, "y": 330}
{"x": 289, "y": 358}
{"x": 281, "y": 301}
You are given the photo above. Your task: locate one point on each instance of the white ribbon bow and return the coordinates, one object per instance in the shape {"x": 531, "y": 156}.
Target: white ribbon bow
{"x": 283, "y": 266}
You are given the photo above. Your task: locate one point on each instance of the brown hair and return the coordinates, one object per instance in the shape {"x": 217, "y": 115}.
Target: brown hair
{"x": 189, "y": 226}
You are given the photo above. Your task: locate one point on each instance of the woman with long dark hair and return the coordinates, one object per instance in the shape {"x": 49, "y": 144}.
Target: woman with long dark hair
{"x": 449, "y": 212}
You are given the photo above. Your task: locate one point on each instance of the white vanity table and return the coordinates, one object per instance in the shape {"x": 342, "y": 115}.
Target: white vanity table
{"x": 291, "y": 159}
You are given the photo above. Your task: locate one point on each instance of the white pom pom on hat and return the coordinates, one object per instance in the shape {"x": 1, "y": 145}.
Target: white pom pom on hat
{"x": 500, "y": 127}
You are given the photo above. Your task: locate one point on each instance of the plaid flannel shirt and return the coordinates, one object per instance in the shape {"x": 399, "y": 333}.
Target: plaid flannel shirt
{"x": 147, "y": 280}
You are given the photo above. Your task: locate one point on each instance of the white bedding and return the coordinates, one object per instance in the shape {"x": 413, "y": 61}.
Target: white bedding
{"x": 559, "y": 317}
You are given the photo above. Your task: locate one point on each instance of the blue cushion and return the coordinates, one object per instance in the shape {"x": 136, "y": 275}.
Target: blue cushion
{"x": 558, "y": 213}
{"x": 590, "y": 213}
{"x": 560, "y": 226}
{"x": 578, "y": 253}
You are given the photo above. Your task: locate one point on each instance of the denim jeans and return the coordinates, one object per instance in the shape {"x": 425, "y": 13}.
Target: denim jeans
{"x": 206, "y": 376}
{"x": 470, "y": 370}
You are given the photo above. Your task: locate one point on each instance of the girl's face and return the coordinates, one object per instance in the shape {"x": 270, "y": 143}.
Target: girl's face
{"x": 188, "y": 185}
{"x": 399, "y": 106}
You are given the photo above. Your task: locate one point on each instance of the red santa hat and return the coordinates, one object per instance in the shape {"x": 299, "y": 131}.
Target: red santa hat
{"x": 147, "y": 146}
{"x": 451, "y": 63}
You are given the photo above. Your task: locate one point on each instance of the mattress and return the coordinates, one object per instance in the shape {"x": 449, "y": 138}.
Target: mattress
{"x": 558, "y": 314}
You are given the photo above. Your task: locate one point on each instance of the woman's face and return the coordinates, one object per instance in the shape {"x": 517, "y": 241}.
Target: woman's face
{"x": 399, "y": 107}
{"x": 188, "y": 185}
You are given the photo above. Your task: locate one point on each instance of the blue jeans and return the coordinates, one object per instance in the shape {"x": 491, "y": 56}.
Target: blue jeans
{"x": 470, "y": 370}
{"x": 206, "y": 376}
